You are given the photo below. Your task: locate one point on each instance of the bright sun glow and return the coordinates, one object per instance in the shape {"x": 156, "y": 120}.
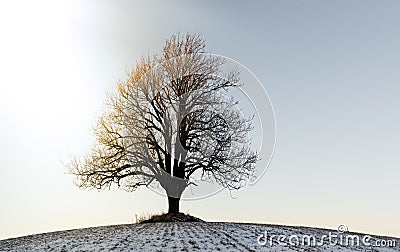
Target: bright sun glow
{"x": 41, "y": 83}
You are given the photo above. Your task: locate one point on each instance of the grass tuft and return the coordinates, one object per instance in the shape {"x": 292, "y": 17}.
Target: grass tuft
{"x": 167, "y": 217}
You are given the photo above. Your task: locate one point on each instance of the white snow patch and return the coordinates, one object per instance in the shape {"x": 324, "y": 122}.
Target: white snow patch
{"x": 184, "y": 236}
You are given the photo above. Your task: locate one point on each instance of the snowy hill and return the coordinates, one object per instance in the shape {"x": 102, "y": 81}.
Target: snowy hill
{"x": 187, "y": 236}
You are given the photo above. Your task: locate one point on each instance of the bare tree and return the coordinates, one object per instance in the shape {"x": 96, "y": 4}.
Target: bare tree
{"x": 170, "y": 119}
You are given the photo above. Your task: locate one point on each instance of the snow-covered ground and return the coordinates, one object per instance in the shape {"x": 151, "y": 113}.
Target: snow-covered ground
{"x": 191, "y": 236}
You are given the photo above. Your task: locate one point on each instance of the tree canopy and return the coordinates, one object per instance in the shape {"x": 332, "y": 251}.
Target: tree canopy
{"x": 171, "y": 118}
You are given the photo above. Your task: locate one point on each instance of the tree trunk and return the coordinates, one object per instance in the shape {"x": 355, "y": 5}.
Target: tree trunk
{"x": 173, "y": 205}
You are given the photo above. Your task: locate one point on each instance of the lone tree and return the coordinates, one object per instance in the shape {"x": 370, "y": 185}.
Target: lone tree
{"x": 168, "y": 122}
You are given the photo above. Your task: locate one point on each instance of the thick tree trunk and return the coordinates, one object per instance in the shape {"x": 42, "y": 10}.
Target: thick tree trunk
{"x": 173, "y": 205}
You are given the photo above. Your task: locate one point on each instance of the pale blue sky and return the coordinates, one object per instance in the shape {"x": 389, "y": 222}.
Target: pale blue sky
{"x": 331, "y": 69}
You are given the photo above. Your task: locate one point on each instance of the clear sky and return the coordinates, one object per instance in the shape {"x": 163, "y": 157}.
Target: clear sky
{"x": 331, "y": 69}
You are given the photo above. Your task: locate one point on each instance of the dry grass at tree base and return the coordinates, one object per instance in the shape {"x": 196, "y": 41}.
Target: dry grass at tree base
{"x": 167, "y": 217}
